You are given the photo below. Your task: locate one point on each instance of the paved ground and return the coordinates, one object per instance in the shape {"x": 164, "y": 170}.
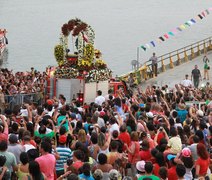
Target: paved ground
{"x": 176, "y": 75}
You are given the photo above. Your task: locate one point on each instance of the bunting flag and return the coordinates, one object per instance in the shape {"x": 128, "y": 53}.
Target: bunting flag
{"x": 153, "y": 44}
{"x": 187, "y": 24}
{"x": 166, "y": 36}
{"x": 178, "y": 29}
{"x": 200, "y": 16}
{"x": 147, "y": 45}
{"x": 207, "y": 12}
{"x": 182, "y": 27}
{"x": 143, "y": 48}
{"x": 162, "y": 38}
{"x": 171, "y": 33}
{"x": 193, "y": 21}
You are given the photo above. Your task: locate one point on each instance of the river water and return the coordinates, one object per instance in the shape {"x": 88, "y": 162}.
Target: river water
{"x": 120, "y": 26}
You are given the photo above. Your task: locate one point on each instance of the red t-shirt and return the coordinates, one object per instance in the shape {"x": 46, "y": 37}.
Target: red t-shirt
{"x": 156, "y": 169}
{"x": 172, "y": 175}
{"x": 204, "y": 164}
{"x": 125, "y": 138}
{"x": 145, "y": 155}
{"x": 78, "y": 164}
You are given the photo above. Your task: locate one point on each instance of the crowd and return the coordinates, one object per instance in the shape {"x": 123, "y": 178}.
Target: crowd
{"x": 21, "y": 82}
{"x": 157, "y": 133}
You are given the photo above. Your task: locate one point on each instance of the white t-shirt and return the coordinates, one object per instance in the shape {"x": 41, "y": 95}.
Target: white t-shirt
{"x": 114, "y": 127}
{"x": 186, "y": 82}
{"x": 99, "y": 100}
{"x": 27, "y": 147}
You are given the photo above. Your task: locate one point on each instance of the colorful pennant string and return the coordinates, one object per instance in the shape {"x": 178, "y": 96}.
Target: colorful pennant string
{"x": 175, "y": 31}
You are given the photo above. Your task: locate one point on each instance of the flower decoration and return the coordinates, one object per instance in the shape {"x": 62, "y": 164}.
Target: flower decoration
{"x": 59, "y": 54}
{"x": 100, "y": 64}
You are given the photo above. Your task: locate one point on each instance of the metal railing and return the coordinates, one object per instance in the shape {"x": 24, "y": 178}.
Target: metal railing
{"x": 172, "y": 59}
{"x": 19, "y": 99}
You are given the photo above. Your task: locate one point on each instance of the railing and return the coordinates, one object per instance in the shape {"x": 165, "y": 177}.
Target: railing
{"x": 171, "y": 59}
{"x": 19, "y": 99}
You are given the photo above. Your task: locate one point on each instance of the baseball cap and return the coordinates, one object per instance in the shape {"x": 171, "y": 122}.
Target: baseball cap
{"x": 170, "y": 156}
{"x": 149, "y": 115}
{"x": 49, "y": 102}
{"x": 186, "y": 152}
{"x": 13, "y": 138}
{"x": 62, "y": 139}
{"x": 140, "y": 165}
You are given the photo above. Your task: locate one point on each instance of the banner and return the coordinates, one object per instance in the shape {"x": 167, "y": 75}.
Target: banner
{"x": 175, "y": 31}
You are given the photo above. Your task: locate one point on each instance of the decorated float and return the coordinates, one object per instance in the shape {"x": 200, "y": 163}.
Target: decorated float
{"x": 77, "y": 56}
{"x": 81, "y": 70}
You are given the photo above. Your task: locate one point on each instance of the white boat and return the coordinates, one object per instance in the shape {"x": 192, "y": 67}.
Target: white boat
{"x": 3, "y": 42}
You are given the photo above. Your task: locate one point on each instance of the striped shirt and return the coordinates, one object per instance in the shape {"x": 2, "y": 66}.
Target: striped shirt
{"x": 65, "y": 153}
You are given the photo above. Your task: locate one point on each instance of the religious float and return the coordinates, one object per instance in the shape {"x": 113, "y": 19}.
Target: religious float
{"x": 81, "y": 70}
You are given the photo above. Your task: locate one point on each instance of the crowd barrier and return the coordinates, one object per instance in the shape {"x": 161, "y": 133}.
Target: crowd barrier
{"x": 170, "y": 60}
{"x": 20, "y": 99}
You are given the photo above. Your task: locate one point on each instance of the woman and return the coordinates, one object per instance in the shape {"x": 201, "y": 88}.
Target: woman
{"x": 103, "y": 144}
{"x": 81, "y": 138}
{"x": 93, "y": 148}
{"x": 160, "y": 162}
{"x": 206, "y": 67}
{"x": 133, "y": 151}
{"x": 203, "y": 161}
{"x": 34, "y": 171}
{"x": 145, "y": 153}
{"x": 23, "y": 168}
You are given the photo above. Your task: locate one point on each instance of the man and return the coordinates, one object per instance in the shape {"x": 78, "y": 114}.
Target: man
{"x": 99, "y": 99}
{"x": 196, "y": 76}
{"x": 14, "y": 147}
{"x": 148, "y": 169}
{"x": 186, "y": 82}
{"x": 64, "y": 152}
{"x": 10, "y": 158}
{"x": 154, "y": 60}
{"x": 46, "y": 161}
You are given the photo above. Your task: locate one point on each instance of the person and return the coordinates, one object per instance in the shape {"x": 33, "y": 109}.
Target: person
{"x": 64, "y": 152}
{"x": 14, "y": 147}
{"x": 86, "y": 174}
{"x": 148, "y": 169}
{"x": 154, "y": 60}
{"x": 23, "y": 168}
{"x": 4, "y": 173}
{"x": 46, "y": 161}
{"x": 203, "y": 161}
{"x": 2, "y": 101}
{"x": 196, "y": 76}
{"x": 10, "y": 158}
{"x": 206, "y": 67}
{"x": 35, "y": 172}
{"x": 186, "y": 82}
{"x": 99, "y": 99}
{"x": 131, "y": 80}
{"x": 180, "y": 170}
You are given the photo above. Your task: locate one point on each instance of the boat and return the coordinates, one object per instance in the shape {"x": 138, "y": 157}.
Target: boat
{"x": 3, "y": 42}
